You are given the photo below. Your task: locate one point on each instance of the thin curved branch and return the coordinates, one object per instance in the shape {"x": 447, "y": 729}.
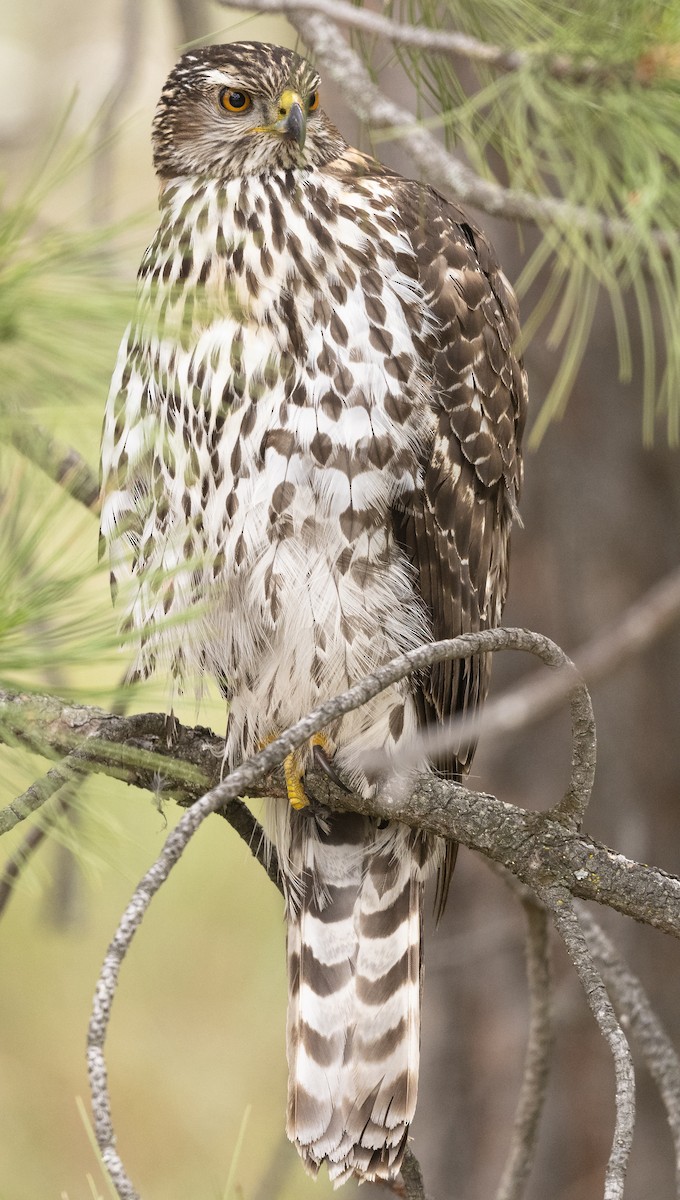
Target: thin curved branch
{"x": 377, "y": 111}
{"x": 560, "y": 904}
{"x": 34, "y": 838}
{"x": 453, "y": 44}
{"x": 239, "y": 782}
{"x": 37, "y": 794}
{"x": 646, "y": 1030}
{"x": 539, "y": 1049}
{"x": 631, "y": 634}
{"x": 567, "y": 683}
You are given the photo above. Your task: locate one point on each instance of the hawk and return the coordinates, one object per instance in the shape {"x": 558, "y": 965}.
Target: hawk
{"x": 311, "y": 463}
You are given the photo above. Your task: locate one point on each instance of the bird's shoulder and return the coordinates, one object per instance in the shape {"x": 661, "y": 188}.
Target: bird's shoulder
{"x": 445, "y": 240}
{"x": 480, "y": 383}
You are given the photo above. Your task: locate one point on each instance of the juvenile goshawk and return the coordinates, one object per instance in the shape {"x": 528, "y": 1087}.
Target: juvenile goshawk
{"x": 312, "y": 450}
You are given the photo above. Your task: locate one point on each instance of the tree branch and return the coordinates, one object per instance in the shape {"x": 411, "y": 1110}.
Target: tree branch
{"x": 546, "y": 854}
{"x": 453, "y": 44}
{"x": 560, "y": 904}
{"x": 36, "y": 795}
{"x": 521, "y": 706}
{"x": 646, "y": 1030}
{"x": 57, "y": 459}
{"x": 34, "y": 838}
{"x": 566, "y": 683}
{"x": 535, "y": 847}
{"x": 412, "y": 1177}
{"x": 539, "y": 1048}
{"x": 377, "y": 111}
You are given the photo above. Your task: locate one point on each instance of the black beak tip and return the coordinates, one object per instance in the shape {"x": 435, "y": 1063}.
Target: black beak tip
{"x": 296, "y": 125}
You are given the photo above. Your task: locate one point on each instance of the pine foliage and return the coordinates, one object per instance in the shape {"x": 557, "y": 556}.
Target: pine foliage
{"x": 61, "y": 316}
{"x": 591, "y": 114}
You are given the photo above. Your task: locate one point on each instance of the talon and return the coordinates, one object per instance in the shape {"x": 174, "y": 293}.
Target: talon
{"x": 321, "y": 759}
{"x": 322, "y": 750}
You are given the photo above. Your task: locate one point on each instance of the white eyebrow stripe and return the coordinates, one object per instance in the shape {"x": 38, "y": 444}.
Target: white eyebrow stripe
{"x": 217, "y": 76}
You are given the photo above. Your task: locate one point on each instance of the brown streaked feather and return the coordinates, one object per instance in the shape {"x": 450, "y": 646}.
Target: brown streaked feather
{"x": 456, "y": 528}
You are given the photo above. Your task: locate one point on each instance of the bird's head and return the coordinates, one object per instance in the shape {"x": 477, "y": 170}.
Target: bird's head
{"x": 241, "y": 109}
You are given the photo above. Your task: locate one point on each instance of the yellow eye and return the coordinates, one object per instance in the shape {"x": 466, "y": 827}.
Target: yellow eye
{"x": 313, "y": 102}
{"x": 235, "y": 101}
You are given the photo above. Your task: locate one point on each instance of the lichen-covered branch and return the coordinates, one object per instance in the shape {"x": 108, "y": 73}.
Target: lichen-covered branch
{"x": 538, "y": 849}
{"x": 645, "y": 1028}
{"x": 542, "y": 850}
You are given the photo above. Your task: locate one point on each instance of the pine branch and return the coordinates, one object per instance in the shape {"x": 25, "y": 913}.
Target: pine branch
{"x": 340, "y": 63}
{"x": 33, "y": 840}
{"x": 454, "y": 44}
{"x": 59, "y": 461}
{"x": 37, "y": 794}
{"x": 134, "y": 748}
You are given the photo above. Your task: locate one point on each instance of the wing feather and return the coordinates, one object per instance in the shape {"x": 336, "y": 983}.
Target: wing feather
{"x": 456, "y": 528}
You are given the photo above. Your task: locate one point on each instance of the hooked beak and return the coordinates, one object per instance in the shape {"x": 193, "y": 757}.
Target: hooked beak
{"x": 292, "y": 121}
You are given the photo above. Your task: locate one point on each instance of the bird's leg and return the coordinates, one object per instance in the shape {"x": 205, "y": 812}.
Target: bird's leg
{"x": 292, "y": 772}
{"x": 323, "y": 749}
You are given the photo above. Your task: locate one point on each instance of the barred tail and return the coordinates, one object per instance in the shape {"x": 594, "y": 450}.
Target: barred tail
{"x": 354, "y": 994}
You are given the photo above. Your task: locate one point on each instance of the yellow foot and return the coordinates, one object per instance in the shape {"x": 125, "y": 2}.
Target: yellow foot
{"x": 324, "y": 741}
{"x": 293, "y": 771}
{"x": 294, "y": 787}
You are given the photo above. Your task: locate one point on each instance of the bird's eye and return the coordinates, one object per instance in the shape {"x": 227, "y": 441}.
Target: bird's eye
{"x": 313, "y": 102}
{"x": 235, "y": 101}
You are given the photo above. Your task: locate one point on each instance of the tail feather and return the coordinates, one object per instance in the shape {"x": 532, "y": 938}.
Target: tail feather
{"x": 354, "y": 937}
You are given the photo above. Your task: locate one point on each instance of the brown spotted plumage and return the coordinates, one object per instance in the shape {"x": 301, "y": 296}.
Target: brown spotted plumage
{"x": 311, "y": 463}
